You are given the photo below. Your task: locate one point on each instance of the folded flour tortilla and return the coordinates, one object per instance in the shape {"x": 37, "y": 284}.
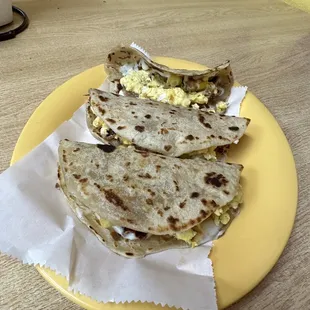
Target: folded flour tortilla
{"x": 134, "y": 74}
{"x": 160, "y": 127}
{"x": 137, "y": 202}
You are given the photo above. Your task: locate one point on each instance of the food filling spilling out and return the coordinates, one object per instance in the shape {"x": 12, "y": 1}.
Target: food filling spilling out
{"x": 144, "y": 83}
{"x": 220, "y": 217}
{"x": 110, "y": 136}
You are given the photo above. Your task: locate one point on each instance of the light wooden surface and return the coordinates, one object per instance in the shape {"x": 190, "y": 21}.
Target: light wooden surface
{"x": 268, "y": 43}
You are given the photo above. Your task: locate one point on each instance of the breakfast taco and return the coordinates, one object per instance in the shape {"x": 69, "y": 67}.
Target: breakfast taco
{"x": 137, "y": 202}
{"x": 132, "y": 73}
{"x": 160, "y": 127}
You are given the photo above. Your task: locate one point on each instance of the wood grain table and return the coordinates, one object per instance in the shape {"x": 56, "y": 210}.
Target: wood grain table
{"x": 268, "y": 43}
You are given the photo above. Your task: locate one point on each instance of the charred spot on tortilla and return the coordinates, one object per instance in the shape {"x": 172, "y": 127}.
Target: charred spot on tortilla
{"x": 110, "y": 120}
{"x": 148, "y": 116}
{"x": 192, "y": 222}
{"x": 84, "y": 180}
{"x": 163, "y": 131}
{"x": 167, "y": 147}
{"x": 125, "y": 177}
{"x": 97, "y": 185}
{"x": 129, "y": 254}
{"x": 139, "y": 128}
{"x": 97, "y": 166}
{"x": 202, "y": 121}
{"x": 203, "y": 213}
{"x": 101, "y": 110}
{"x": 172, "y": 220}
{"x": 204, "y": 202}
{"x": 145, "y": 176}
{"x": 127, "y": 164}
{"x": 76, "y": 150}
{"x": 215, "y": 179}
{"x": 133, "y": 112}
{"x": 226, "y": 192}
{"x": 132, "y": 103}
{"x": 109, "y": 177}
{"x": 158, "y": 168}
{"x": 166, "y": 208}
{"x": 190, "y": 137}
{"x": 182, "y": 204}
{"x": 107, "y": 148}
{"x": 103, "y": 98}
{"x": 233, "y": 128}
{"x": 121, "y": 127}
{"x": 64, "y": 158}
{"x": 160, "y": 213}
{"x": 149, "y": 201}
{"x": 57, "y": 185}
{"x": 115, "y": 199}
{"x": 177, "y": 188}
{"x": 77, "y": 176}
{"x": 195, "y": 195}
{"x": 151, "y": 192}
{"x": 212, "y": 136}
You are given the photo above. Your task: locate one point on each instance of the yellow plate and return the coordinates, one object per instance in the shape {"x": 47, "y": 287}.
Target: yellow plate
{"x": 254, "y": 241}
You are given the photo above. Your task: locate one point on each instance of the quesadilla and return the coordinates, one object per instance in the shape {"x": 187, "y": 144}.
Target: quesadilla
{"x": 132, "y": 73}
{"x": 160, "y": 127}
{"x": 137, "y": 202}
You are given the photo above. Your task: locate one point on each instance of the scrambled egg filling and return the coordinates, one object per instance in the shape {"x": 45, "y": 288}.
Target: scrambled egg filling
{"x": 100, "y": 124}
{"x": 221, "y": 215}
{"x": 156, "y": 88}
{"x": 208, "y": 153}
{"x": 187, "y": 236}
{"x": 221, "y": 107}
{"x": 105, "y": 223}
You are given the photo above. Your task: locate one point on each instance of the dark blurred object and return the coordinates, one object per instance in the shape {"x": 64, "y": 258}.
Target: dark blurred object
{"x": 14, "y": 32}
